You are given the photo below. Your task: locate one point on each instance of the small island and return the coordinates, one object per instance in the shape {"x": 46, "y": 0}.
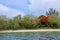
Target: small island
{"x": 29, "y": 20}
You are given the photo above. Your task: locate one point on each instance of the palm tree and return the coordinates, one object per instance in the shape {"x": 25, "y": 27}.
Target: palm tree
{"x": 53, "y": 14}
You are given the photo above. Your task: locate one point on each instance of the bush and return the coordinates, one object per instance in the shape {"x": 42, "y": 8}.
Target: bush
{"x": 55, "y": 25}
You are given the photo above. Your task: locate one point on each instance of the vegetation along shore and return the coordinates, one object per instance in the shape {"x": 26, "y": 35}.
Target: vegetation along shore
{"x": 49, "y": 21}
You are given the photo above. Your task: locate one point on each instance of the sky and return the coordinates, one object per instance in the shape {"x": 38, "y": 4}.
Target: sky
{"x": 12, "y": 8}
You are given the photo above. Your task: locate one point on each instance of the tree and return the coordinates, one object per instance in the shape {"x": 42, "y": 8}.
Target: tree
{"x": 53, "y": 14}
{"x": 16, "y": 20}
{"x": 3, "y": 22}
{"x": 44, "y": 19}
{"x": 29, "y": 21}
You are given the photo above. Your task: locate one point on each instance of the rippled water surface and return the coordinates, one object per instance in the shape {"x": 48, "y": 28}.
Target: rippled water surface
{"x": 30, "y": 36}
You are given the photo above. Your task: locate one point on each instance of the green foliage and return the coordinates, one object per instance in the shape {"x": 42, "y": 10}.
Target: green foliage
{"x": 53, "y": 14}
{"x": 30, "y": 21}
{"x": 40, "y": 16}
{"x": 54, "y": 25}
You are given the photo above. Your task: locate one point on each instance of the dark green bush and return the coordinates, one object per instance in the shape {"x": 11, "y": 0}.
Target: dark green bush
{"x": 55, "y": 25}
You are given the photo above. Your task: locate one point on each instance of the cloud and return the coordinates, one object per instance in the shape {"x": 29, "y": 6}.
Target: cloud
{"x": 41, "y": 6}
{"x": 17, "y": 4}
{"x": 44, "y": 3}
{"x": 38, "y": 7}
{"x": 4, "y": 10}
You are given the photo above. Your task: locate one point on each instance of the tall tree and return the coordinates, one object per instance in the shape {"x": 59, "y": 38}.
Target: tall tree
{"x": 53, "y": 14}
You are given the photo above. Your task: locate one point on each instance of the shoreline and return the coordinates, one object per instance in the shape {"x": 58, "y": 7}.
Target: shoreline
{"x": 37, "y": 30}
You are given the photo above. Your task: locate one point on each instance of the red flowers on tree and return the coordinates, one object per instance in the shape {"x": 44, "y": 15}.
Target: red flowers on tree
{"x": 44, "y": 19}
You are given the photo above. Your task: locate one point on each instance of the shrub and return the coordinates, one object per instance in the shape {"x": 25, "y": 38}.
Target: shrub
{"x": 55, "y": 25}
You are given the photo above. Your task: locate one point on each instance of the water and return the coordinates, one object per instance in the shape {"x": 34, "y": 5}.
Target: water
{"x": 30, "y": 36}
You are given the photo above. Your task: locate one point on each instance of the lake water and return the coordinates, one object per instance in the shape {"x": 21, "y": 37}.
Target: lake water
{"x": 30, "y": 36}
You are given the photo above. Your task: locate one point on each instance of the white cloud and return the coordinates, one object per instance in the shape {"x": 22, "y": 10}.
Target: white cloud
{"x": 4, "y": 10}
{"x": 44, "y": 4}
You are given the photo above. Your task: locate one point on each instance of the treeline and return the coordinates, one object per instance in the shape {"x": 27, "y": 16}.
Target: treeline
{"x": 51, "y": 20}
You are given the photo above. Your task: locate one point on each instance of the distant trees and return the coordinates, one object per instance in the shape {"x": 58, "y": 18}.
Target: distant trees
{"x": 29, "y": 21}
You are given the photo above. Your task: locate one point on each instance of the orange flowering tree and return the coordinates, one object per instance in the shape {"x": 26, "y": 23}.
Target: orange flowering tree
{"x": 44, "y": 19}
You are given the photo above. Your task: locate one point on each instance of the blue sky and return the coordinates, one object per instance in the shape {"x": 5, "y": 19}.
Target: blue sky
{"x": 12, "y": 8}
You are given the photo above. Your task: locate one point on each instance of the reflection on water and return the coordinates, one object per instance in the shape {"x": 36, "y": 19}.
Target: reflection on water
{"x": 30, "y": 36}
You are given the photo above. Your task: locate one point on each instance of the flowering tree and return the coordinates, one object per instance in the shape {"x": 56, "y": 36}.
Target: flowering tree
{"x": 44, "y": 19}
